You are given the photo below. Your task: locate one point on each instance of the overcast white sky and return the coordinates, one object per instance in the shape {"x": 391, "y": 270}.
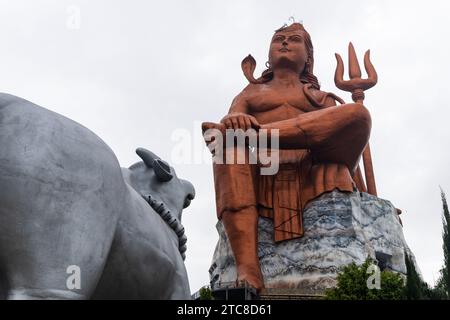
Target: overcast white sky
{"x": 136, "y": 71}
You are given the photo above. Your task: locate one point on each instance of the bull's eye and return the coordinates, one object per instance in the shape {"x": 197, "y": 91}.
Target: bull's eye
{"x": 162, "y": 170}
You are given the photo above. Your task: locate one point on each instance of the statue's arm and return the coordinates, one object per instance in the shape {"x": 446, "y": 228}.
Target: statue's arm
{"x": 239, "y": 104}
{"x": 329, "y": 101}
{"x": 238, "y": 116}
{"x": 322, "y": 99}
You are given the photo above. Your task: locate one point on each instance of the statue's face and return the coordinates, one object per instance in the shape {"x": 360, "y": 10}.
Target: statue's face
{"x": 288, "y": 48}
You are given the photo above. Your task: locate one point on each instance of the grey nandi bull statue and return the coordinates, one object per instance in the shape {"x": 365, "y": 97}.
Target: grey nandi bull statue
{"x": 66, "y": 205}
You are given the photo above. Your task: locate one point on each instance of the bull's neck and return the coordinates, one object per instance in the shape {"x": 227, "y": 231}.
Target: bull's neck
{"x": 171, "y": 220}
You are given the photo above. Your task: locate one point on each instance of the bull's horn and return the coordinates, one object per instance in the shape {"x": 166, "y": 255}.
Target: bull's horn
{"x": 147, "y": 156}
{"x": 162, "y": 170}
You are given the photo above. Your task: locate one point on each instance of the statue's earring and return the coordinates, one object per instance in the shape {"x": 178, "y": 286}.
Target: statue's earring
{"x": 267, "y": 64}
{"x": 308, "y": 64}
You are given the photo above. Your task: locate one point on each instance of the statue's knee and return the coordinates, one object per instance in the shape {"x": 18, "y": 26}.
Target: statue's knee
{"x": 359, "y": 117}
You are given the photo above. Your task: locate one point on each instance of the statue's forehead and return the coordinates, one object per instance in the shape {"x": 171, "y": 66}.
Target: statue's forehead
{"x": 288, "y": 33}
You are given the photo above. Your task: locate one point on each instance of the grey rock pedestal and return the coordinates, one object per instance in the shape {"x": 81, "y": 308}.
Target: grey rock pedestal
{"x": 340, "y": 228}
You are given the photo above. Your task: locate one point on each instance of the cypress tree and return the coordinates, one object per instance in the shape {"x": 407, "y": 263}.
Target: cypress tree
{"x": 414, "y": 286}
{"x": 445, "y": 271}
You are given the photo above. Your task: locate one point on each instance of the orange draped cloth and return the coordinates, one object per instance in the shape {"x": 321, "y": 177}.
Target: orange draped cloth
{"x": 283, "y": 196}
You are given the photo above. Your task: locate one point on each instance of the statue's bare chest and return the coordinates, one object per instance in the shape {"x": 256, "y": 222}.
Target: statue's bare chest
{"x": 269, "y": 105}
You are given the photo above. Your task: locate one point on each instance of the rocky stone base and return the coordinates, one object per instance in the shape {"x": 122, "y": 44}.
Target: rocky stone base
{"x": 340, "y": 228}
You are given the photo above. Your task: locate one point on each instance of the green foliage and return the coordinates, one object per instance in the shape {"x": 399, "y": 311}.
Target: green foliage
{"x": 415, "y": 288}
{"x": 206, "y": 294}
{"x": 352, "y": 284}
{"x": 392, "y": 286}
{"x": 436, "y": 293}
{"x": 444, "y": 280}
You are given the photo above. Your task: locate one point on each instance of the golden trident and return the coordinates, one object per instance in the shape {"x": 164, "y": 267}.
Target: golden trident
{"x": 356, "y": 85}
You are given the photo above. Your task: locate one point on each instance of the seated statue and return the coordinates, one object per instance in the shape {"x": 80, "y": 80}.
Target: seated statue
{"x": 320, "y": 145}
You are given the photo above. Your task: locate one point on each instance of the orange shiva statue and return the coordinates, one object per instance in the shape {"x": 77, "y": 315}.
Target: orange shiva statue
{"x": 320, "y": 145}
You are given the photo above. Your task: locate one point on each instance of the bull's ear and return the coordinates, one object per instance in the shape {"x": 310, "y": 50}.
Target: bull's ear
{"x": 162, "y": 169}
{"x": 147, "y": 156}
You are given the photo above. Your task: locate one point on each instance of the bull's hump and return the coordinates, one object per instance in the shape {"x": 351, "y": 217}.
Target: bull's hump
{"x": 33, "y": 136}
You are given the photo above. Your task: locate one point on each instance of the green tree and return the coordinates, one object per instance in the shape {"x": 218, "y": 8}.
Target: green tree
{"x": 206, "y": 294}
{"x": 352, "y": 284}
{"x": 444, "y": 280}
{"x": 415, "y": 289}
{"x": 446, "y": 245}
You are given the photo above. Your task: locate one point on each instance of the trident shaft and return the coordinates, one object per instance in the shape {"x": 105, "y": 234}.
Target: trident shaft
{"x": 356, "y": 85}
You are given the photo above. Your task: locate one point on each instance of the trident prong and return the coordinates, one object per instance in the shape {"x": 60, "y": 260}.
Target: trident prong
{"x": 356, "y": 85}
